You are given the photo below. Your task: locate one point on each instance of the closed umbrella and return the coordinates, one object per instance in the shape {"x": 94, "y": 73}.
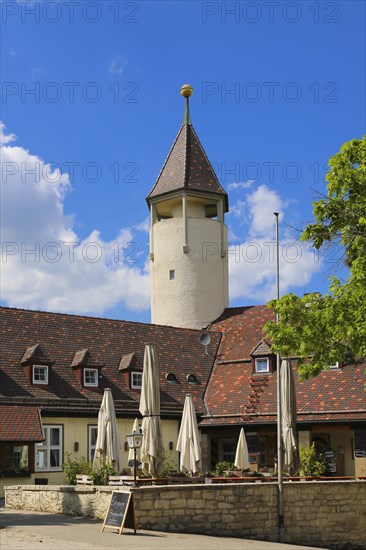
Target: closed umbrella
{"x": 108, "y": 446}
{"x": 288, "y": 413}
{"x": 135, "y": 428}
{"x": 152, "y": 450}
{"x": 188, "y": 439}
{"x": 242, "y": 455}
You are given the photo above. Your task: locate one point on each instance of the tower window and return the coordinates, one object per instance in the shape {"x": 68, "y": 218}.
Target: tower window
{"x": 172, "y": 274}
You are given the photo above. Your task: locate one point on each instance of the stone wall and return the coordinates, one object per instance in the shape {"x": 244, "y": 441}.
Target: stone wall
{"x": 322, "y": 514}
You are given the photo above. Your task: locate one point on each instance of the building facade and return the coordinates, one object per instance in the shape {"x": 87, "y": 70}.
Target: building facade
{"x": 55, "y": 367}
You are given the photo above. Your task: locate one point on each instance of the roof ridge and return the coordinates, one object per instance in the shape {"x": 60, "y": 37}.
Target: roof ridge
{"x": 96, "y": 318}
{"x": 208, "y": 160}
{"x": 166, "y": 160}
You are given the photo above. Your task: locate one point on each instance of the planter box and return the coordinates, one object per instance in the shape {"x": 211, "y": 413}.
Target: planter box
{"x": 15, "y": 473}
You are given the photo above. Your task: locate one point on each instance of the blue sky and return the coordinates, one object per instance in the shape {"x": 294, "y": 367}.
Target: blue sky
{"x": 90, "y": 101}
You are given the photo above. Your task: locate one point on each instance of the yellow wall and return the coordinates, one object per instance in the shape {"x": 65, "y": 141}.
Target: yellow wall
{"x": 76, "y": 430}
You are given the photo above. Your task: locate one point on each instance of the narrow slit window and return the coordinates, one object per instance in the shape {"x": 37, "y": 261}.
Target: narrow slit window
{"x": 172, "y": 274}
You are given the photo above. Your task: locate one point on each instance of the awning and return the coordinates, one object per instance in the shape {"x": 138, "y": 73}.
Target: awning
{"x": 20, "y": 423}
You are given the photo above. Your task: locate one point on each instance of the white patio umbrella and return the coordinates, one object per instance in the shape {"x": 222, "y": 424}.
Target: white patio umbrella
{"x": 135, "y": 428}
{"x": 152, "y": 449}
{"x": 108, "y": 446}
{"x": 242, "y": 455}
{"x": 288, "y": 413}
{"x": 188, "y": 439}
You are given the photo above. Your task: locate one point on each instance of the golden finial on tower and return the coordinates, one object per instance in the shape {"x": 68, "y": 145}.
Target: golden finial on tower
{"x": 186, "y": 91}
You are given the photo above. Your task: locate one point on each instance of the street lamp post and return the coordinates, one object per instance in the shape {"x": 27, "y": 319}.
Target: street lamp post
{"x": 134, "y": 441}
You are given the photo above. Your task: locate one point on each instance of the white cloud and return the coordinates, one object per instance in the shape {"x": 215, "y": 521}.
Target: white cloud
{"x": 240, "y": 185}
{"x": 6, "y": 138}
{"x": 143, "y": 226}
{"x": 252, "y": 260}
{"x": 44, "y": 263}
{"x": 263, "y": 202}
{"x": 238, "y": 208}
{"x": 116, "y": 66}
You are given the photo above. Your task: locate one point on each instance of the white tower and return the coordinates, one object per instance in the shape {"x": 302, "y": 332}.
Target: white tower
{"x": 188, "y": 236}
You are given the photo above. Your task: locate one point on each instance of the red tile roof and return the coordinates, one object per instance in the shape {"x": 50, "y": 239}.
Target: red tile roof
{"x": 187, "y": 167}
{"x": 107, "y": 341}
{"x": 20, "y": 423}
{"x": 235, "y": 394}
{"x": 36, "y": 354}
{"x": 228, "y": 392}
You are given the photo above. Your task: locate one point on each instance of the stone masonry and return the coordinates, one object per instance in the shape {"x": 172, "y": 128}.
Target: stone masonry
{"x": 329, "y": 514}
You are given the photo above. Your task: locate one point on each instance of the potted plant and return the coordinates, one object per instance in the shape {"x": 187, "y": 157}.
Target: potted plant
{"x": 224, "y": 468}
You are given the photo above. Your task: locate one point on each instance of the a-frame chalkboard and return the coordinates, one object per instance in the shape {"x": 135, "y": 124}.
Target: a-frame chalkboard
{"x": 121, "y": 512}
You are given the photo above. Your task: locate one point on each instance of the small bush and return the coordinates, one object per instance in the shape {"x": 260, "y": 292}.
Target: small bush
{"x": 75, "y": 466}
{"x": 312, "y": 461}
{"x": 100, "y": 473}
{"x": 168, "y": 464}
{"x": 222, "y": 466}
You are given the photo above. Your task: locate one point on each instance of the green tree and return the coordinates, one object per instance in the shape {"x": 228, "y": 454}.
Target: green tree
{"x": 322, "y": 330}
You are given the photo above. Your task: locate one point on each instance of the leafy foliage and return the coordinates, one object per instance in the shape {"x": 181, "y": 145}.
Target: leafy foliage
{"x": 312, "y": 461}
{"x": 100, "y": 473}
{"x": 222, "y": 466}
{"x": 322, "y": 330}
{"x": 75, "y": 466}
{"x": 169, "y": 465}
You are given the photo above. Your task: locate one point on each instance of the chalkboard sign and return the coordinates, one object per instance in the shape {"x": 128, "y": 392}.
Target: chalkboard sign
{"x": 360, "y": 443}
{"x": 121, "y": 512}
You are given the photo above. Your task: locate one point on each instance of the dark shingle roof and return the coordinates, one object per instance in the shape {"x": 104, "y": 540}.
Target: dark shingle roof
{"x": 83, "y": 358}
{"x": 71, "y": 340}
{"x": 187, "y": 167}
{"x": 36, "y": 354}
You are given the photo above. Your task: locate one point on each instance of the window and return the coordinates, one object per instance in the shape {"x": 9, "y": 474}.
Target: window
{"x": 227, "y": 449}
{"x": 136, "y": 380}
{"x": 40, "y": 374}
{"x": 91, "y": 377}
{"x": 191, "y": 379}
{"x": 335, "y": 366}
{"x": 172, "y": 274}
{"x": 49, "y": 452}
{"x": 16, "y": 457}
{"x": 262, "y": 364}
{"x": 170, "y": 377}
{"x": 92, "y": 440}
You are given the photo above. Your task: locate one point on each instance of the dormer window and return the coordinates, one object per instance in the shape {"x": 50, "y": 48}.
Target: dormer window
{"x": 192, "y": 379}
{"x": 170, "y": 377}
{"x": 264, "y": 360}
{"x": 262, "y": 364}
{"x": 136, "y": 380}
{"x": 334, "y": 366}
{"x": 91, "y": 378}
{"x": 40, "y": 374}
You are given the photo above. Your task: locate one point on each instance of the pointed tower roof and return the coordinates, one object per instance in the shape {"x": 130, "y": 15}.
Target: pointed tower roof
{"x": 187, "y": 166}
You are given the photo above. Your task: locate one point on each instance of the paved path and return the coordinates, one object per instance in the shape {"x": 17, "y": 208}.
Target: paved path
{"x": 25, "y": 530}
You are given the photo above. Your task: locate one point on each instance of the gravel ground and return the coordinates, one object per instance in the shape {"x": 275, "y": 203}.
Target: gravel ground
{"x": 25, "y": 530}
